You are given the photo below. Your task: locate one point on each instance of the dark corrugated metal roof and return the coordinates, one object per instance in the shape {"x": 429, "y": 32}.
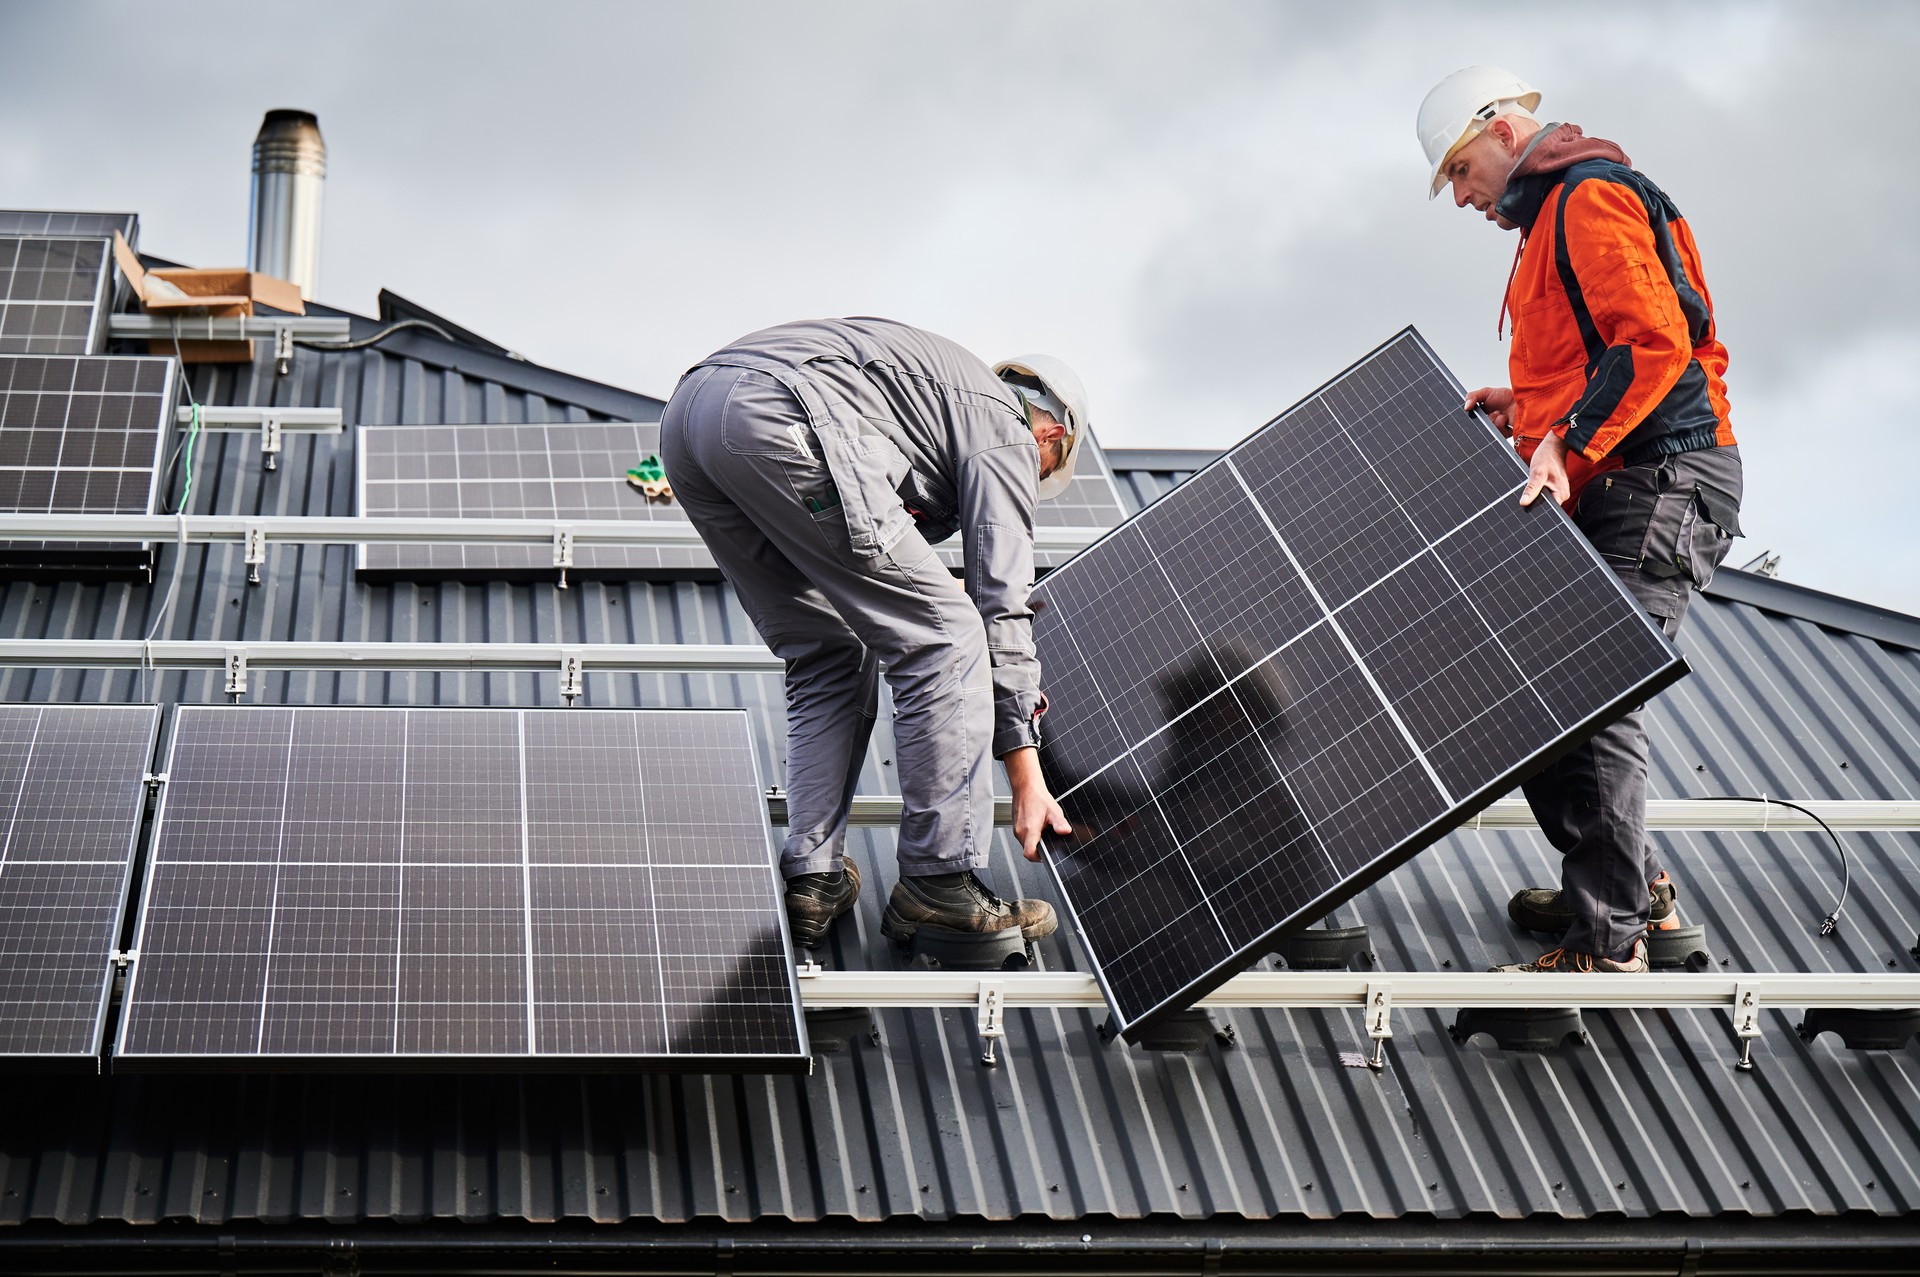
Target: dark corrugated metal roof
{"x": 1648, "y": 1120}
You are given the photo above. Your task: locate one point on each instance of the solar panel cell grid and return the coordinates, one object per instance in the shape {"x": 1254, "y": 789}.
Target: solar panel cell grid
{"x": 458, "y": 884}
{"x": 39, "y": 222}
{"x": 71, "y": 793}
{"x": 53, "y": 294}
{"x": 1303, "y": 665}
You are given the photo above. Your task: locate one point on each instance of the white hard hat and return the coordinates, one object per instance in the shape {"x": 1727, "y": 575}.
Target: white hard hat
{"x": 1068, "y": 406}
{"x": 1464, "y": 103}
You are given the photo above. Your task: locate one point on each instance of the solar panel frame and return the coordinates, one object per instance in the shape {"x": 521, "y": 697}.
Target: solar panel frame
{"x": 520, "y": 863}
{"x": 55, "y": 294}
{"x": 1132, "y": 1022}
{"x": 1092, "y": 500}
{"x": 107, "y": 384}
{"x": 20, "y": 221}
{"x": 110, "y": 883}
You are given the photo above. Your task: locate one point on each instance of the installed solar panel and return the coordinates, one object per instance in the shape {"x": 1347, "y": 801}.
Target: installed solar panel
{"x": 427, "y": 887}
{"x": 54, "y": 294}
{"x": 1307, "y": 663}
{"x": 82, "y": 434}
{"x": 15, "y": 221}
{"x": 577, "y": 470}
{"x": 72, "y": 789}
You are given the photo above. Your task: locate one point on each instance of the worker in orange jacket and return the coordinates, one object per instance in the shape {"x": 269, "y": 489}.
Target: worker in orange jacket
{"x": 1618, "y": 403}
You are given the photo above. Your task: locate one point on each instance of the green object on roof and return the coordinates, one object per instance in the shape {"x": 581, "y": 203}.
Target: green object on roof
{"x": 648, "y": 471}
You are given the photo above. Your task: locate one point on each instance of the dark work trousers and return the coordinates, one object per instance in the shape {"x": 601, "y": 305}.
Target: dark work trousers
{"x": 1664, "y": 527}
{"x": 749, "y": 472}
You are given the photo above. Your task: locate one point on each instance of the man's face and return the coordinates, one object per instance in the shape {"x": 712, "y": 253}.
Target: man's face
{"x": 1478, "y": 172}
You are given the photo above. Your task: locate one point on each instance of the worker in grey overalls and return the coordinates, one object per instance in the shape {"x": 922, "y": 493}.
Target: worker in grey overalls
{"x": 819, "y": 462}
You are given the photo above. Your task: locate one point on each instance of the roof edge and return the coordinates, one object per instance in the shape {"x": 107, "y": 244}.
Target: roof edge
{"x": 1833, "y": 611}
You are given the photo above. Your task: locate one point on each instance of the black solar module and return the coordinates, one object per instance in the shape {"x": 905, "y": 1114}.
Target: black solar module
{"x": 54, "y": 294}
{"x": 1307, "y": 663}
{"x": 392, "y": 887}
{"x": 14, "y": 221}
{"x": 72, "y": 789}
{"x": 577, "y": 470}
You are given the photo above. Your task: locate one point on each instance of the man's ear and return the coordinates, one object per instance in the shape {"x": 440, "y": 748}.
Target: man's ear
{"x": 1502, "y": 128}
{"x": 1051, "y": 432}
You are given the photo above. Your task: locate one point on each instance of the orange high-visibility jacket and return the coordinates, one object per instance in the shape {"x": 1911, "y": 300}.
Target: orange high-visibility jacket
{"x": 1613, "y": 334}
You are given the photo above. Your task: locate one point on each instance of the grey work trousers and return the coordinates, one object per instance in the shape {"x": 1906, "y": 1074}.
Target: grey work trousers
{"x": 1663, "y": 527}
{"x": 749, "y": 472}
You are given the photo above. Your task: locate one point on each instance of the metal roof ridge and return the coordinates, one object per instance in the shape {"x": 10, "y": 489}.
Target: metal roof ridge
{"x": 1833, "y": 611}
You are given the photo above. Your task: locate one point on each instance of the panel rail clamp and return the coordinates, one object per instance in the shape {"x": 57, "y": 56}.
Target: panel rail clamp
{"x": 572, "y": 676}
{"x": 1379, "y": 1022}
{"x": 236, "y": 672}
{"x": 563, "y": 552}
{"x": 256, "y": 552}
{"x": 991, "y": 1012}
{"x": 153, "y": 781}
{"x": 1746, "y": 1023}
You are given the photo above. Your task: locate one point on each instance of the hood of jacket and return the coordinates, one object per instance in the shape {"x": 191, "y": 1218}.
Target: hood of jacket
{"x": 1550, "y": 152}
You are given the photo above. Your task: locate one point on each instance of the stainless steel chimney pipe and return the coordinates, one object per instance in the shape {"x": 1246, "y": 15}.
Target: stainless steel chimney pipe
{"x": 289, "y": 170}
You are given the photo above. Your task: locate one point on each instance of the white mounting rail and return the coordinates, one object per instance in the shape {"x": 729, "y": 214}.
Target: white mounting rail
{"x": 1512, "y": 813}
{"x": 223, "y": 417}
{"x": 230, "y": 328}
{"x": 234, "y": 529}
{"x": 538, "y": 658}
{"x": 1411, "y": 989}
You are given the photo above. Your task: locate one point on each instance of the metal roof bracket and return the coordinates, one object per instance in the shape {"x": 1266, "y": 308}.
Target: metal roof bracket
{"x": 992, "y": 1019}
{"x": 1379, "y": 1021}
{"x": 563, "y": 552}
{"x": 282, "y": 349}
{"x": 572, "y": 675}
{"x": 236, "y": 672}
{"x": 256, "y": 553}
{"x": 270, "y": 442}
{"x": 1746, "y": 1022}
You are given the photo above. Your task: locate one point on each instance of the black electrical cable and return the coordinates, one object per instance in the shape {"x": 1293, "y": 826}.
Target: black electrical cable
{"x": 1830, "y": 923}
{"x": 378, "y": 337}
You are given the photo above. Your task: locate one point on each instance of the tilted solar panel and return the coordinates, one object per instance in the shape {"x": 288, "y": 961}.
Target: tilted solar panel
{"x": 72, "y": 791}
{"x": 82, "y": 434}
{"x": 17, "y": 221}
{"x": 577, "y": 470}
{"x": 54, "y": 294}
{"x": 437, "y": 888}
{"x": 1307, "y": 663}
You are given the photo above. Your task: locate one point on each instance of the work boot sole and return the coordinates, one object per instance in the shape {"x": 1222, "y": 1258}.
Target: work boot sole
{"x": 901, "y": 931}
{"x": 809, "y": 933}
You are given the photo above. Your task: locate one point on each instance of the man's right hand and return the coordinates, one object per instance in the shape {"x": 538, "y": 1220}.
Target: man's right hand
{"x": 1498, "y": 403}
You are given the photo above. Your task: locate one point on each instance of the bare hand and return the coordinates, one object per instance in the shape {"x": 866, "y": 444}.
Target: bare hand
{"x": 1497, "y": 401}
{"x": 1548, "y": 471}
{"x": 1034, "y": 810}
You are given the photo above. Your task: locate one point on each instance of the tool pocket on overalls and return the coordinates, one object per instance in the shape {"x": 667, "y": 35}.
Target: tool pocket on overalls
{"x": 1708, "y": 526}
{"x": 1616, "y": 513}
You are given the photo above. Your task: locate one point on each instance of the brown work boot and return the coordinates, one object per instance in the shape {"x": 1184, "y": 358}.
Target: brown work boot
{"x": 960, "y": 902}
{"x": 815, "y": 900}
{"x": 1545, "y": 910}
{"x": 1568, "y": 962}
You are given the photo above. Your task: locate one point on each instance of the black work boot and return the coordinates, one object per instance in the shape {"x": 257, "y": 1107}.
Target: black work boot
{"x": 815, "y": 900}
{"x": 960, "y": 902}
{"x": 1544, "y": 909}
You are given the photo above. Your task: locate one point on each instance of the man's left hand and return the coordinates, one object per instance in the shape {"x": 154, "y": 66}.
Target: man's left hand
{"x": 1034, "y": 810}
{"x": 1548, "y": 473}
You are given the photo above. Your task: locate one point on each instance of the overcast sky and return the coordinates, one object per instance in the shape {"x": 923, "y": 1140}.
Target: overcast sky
{"x": 1208, "y": 208}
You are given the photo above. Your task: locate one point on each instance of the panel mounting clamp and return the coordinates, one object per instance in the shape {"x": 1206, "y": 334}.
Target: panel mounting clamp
{"x": 256, "y": 551}
{"x": 282, "y": 349}
{"x": 236, "y": 672}
{"x": 1746, "y": 1022}
{"x": 992, "y": 1019}
{"x": 572, "y": 675}
{"x": 270, "y": 441}
{"x": 153, "y": 781}
{"x": 1379, "y": 1021}
{"x": 563, "y": 552}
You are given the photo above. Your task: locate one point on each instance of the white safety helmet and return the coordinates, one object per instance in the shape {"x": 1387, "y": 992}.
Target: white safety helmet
{"x": 1463, "y": 104}
{"x": 1045, "y": 382}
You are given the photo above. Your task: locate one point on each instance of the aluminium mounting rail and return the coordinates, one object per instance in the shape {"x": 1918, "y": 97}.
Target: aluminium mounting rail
{"x": 204, "y": 327}
{"x": 263, "y": 530}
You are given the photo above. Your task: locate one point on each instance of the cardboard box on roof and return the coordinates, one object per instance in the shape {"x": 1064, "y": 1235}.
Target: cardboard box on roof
{"x": 218, "y": 293}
